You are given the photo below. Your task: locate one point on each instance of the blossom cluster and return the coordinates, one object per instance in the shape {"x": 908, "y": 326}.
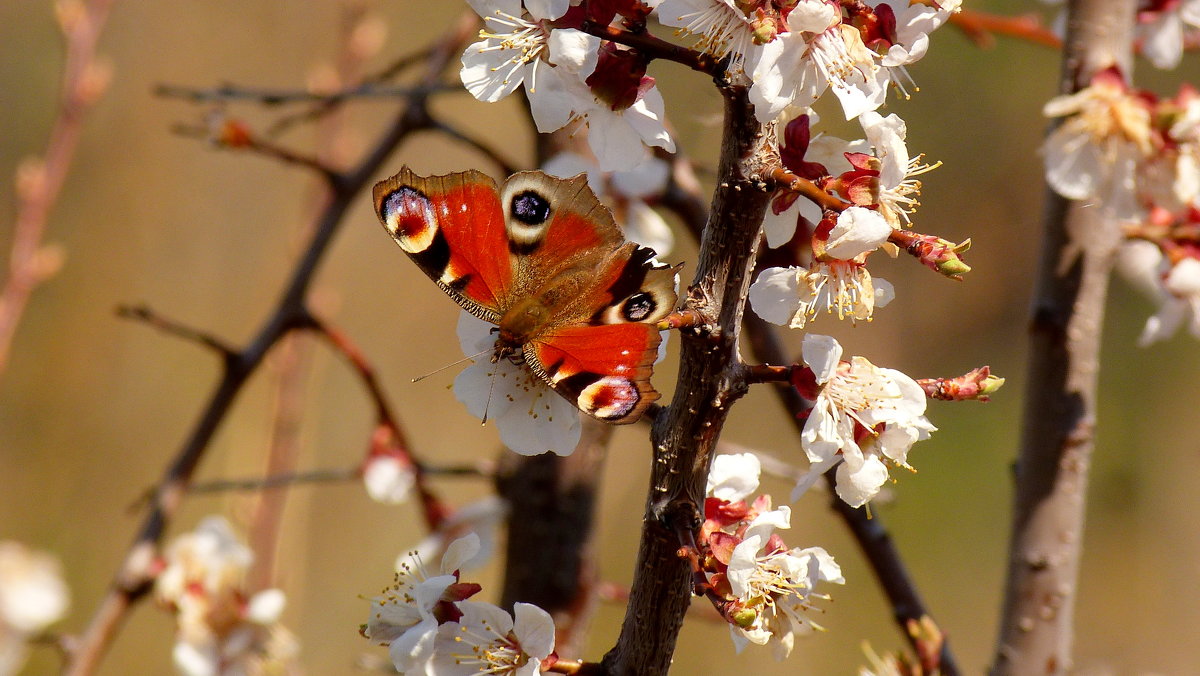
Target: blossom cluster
{"x": 1137, "y": 157}
{"x": 790, "y": 53}
{"x": 221, "y": 627}
{"x": 765, "y": 589}
{"x": 430, "y": 626}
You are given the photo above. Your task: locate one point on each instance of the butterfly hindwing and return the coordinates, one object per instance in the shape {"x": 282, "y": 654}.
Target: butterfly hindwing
{"x": 604, "y": 369}
{"x": 603, "y": 360}
{"x": 453, "y": 228}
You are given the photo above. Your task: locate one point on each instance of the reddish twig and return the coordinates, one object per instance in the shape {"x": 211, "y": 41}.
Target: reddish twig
{"x": 983, "y": 27}
{"x": 41, "y": 181}
{"x": 783, "y": 179}
{"x": 654, "y": 47}
{"x": 434, "y": 509}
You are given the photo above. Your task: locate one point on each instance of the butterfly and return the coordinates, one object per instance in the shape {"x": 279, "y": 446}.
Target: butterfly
{"x": 542, "y": 259}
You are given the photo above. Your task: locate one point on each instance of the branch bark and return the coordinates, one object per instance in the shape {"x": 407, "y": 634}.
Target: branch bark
{"x": 710, "y": 380}
{"x": 1079, "y": 242}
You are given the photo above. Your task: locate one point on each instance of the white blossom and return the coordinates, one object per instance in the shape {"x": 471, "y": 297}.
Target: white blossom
{"x": 793, "y": 296}
{"x": 32, "y": 597}
{"x": 778, "y": 586}
{"x": 734, "y": 476}
{"x": 531, "y": 418}
{"x": 488, "y": 640}
{"x": 1096, "y": 152}
{"x": 388, "y": 479}
{"x": 858, "y": 398}
{"x": 403, "y": 616}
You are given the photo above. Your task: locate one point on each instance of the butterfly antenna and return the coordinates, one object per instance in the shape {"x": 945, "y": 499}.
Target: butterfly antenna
{"x": 453, "y": 363}
{"x": 491, "y": 388}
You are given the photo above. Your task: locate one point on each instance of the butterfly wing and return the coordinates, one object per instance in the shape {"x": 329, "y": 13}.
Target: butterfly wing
{"x": 453, "y": 228}
{"x": 602, "y": 357}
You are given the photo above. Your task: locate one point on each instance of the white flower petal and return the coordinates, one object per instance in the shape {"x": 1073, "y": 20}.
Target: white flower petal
{"x": 734, "y": 476}
{"x": 534, "y": 628}
{"x": 857, "y": 231}
{"x": 822, "y": 354}
{"x": 774, "y": 296}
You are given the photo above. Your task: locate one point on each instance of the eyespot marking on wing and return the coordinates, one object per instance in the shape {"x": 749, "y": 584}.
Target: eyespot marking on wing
{"x": 410, "y": 218}
{"x": 530, "y": 213}
{"x": 609, "y": 398}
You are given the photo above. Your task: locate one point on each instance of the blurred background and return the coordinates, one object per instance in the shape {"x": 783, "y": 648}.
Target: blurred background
{"x": 93, "y": 407}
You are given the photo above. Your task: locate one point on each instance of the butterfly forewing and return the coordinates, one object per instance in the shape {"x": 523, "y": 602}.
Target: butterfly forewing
{"x": 453, "y": 228}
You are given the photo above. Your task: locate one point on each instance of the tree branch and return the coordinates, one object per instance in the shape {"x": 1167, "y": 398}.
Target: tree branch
{"x": 685, "y": 434}
{"x": 1037, "y": 627}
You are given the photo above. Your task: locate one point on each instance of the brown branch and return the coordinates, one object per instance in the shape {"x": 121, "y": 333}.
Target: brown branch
{"x": 275, "y": 481}
{"x": 233, "y": 134}
{"x": 872, "y": 536}
{"x": 484, "y": 149}
{"x": 277, "y": 97}
{"x": 41, "y": 180}
{"x": 654, "y": 47}
{"x": 135, "y": 576}
{"x": 1037, "y": 626}
{"x": 685, "y": 435}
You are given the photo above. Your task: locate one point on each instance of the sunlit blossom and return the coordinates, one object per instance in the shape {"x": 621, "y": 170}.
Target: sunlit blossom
{"x": 531, "y": 417}
{"x": 863, "y": 416}
{"x": 488, "y": 640}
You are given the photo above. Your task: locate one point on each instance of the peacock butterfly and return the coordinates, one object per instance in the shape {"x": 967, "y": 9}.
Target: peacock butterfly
{"x": 544, "y": 260}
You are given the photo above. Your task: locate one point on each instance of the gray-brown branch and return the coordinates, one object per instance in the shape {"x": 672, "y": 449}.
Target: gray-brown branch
{"x": 710, "y": 380}
{"x": 1037, "y": 627}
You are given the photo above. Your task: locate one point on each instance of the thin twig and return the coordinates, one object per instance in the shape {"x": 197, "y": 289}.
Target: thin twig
{"x": 42, "y": 180}
{"x": 277, "y": 97}
{"x": 433, "y": 508}
{"x": 983, "y": 27}
{"x": 484, "y": 149}
{"x": 143, "y": 313}
{"x": 275, "y": 481}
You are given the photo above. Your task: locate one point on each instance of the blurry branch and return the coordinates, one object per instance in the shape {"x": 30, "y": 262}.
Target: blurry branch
{"x": 982, "y": 28}
{"x": 40, "y": 180}
{"x": 292, "y": 360}
{"x": 276, "y": 97}
{"x": 481, "y": 147}
{"x": 235, "y": 135}
{"x": 683, "y": 197}
{"x": 1078, "y": 248}
{"x": 135, "y": 577}
{"x": 275, "y": 481}
{"x": 143, "y": 313}
{"x": 434, "y": 510}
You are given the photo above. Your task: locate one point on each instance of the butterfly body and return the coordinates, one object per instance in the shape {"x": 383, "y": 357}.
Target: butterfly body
{"x": 542, "y": 259}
